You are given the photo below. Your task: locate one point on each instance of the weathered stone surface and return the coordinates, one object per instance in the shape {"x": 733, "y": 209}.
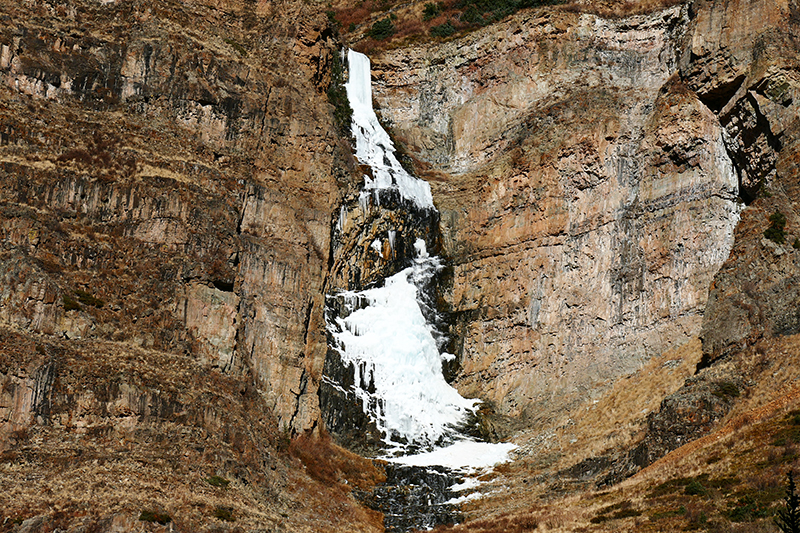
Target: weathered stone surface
{"x": 587, "y": 197}
{"x": 141, "y": 161}
{"x": 757, "y": 292}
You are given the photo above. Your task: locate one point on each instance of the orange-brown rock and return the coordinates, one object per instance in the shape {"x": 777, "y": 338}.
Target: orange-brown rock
{"x": 587, "y": 197}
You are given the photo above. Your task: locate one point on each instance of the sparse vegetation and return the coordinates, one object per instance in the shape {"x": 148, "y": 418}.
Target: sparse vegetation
{"x": 788, "y": 518}
{"x": 337, "y": 96}
{"x": 328, "y": 463}
{"x": 87, "y": 298}
{"x": 69, "y": 303}
{"x": 236, "y": 46}
{"x": 224, "y": 513}
{"x": 432, "y": 9}
{"x": 382, "y": 29}
{"x": 443, "y": 30}
{"x": 726, "y": 389}
{"x": 695, "y": 488}
{"x": 776, "y": 232}
{"x": 796, "y": 244}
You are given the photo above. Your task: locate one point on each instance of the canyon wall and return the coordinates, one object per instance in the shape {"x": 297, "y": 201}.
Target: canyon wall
{"x": 172, "y": 190}
{"x": 590, "y": 175}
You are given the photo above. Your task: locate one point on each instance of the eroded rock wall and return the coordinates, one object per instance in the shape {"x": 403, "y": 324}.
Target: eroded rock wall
{"x": 586, "y": 193}
{"x": 170, "y": 188}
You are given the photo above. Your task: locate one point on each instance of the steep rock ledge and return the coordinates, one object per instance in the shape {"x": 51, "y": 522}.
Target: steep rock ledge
{"x": 174, "y": 178}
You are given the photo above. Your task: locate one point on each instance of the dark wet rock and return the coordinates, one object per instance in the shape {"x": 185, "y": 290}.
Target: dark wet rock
{"x": 413, "y": 498}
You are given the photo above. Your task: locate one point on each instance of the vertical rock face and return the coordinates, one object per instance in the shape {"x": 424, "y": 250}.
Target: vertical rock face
{"x": 171, "y": 190}
{"x": 744, "y": 62}
{"x": 587, "y": 196}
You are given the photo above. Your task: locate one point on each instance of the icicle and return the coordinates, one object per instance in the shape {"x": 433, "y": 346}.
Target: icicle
{"x": 363, "y": 202}
{"x": 421, "y": 249}
{"x": 342, "y": 219}
{"x": 392, "y": 234}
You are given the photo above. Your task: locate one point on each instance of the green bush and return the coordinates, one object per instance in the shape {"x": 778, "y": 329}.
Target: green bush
{"x": 482, "y": 12}
{"x": 155, "y": 516}
{"x": 87, "y": 298}
{"x": 695, "y": 488}
{"x": 69, "y": 303}
{"x": 775, "y": 232}
{"x": 224, "y": 513}
{"x": 337, "y": 96}
{"x": 381, "y": 29}
{"x": 788, "y": 518}
{"x": 431, "y": 10}
{"x": 217, "y": 481}
{"x": 443, "y": 30}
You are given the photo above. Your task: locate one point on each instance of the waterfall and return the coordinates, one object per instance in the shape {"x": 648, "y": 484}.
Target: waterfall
{"x": 393, "y": 350}
{"x": 383, "y": 381}
{"x": 373, "y": 145}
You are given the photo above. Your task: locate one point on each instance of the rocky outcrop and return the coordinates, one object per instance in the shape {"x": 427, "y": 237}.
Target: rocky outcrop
{"x": 587, "y": 197}
{"x": 755, "y": 294}
{"x": 168, "y": 174}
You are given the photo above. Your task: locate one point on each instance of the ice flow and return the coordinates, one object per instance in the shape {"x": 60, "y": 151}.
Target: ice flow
{"x": 391, "y": 346}
{"x": 383, "y": 332}
{"x": 373, "y": 145}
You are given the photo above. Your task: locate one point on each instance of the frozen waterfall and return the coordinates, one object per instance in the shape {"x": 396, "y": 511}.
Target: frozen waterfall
{"x": 383, "y": 333}
{"x": 373, "y": 145}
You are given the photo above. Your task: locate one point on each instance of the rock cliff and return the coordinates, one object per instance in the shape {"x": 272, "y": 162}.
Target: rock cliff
{"x": 587, "y": 197}
{"x": 177, "y": 199}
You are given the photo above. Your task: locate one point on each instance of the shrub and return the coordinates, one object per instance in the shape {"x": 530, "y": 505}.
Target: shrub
{"x": 788, "y": 518}
{"x": 443, "y": 30}
{"x": 155, "y": 516}
{"x": 775, "y": 232}
{"x": 87, "y": 298}
{"x": 381, "y": 29}
{"x": 337, "y": 96}
{"x": 224, "y": 513}
{"x": 217, "y": 481}
{"x": 695, "y": 488}
{"x": 236, "y": 46}
{"x": 796, "y": 244}
{"x": 726, "y": 389}
{"x": 431, "y": 10}
{"x": 69, "y": 303}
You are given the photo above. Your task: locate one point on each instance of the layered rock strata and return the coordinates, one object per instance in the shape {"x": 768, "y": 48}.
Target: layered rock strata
{"x": 587, "y": 197}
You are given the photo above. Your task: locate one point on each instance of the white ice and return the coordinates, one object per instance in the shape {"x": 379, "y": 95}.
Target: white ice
{"x": 466, "y": 456}
{"x": 392, "y": 344}
{"x": 373, "y": 145}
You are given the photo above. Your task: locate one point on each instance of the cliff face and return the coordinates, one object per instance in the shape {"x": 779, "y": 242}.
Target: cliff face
{"x": 168, "y": 173}
{"x": 176, "y": 202}
{"x": 587, "y": 196}
{"x": 185, "y": 180}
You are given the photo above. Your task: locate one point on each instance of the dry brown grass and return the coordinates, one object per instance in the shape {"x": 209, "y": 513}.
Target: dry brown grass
{"x": 736, "y": 473}
{"x": 627, "y": 8}
{"x": 329, "y": 463}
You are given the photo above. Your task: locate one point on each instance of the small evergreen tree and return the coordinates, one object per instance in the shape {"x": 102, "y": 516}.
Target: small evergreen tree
{"x": 776, "y": 232}
{"x": 788, "y": 519}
